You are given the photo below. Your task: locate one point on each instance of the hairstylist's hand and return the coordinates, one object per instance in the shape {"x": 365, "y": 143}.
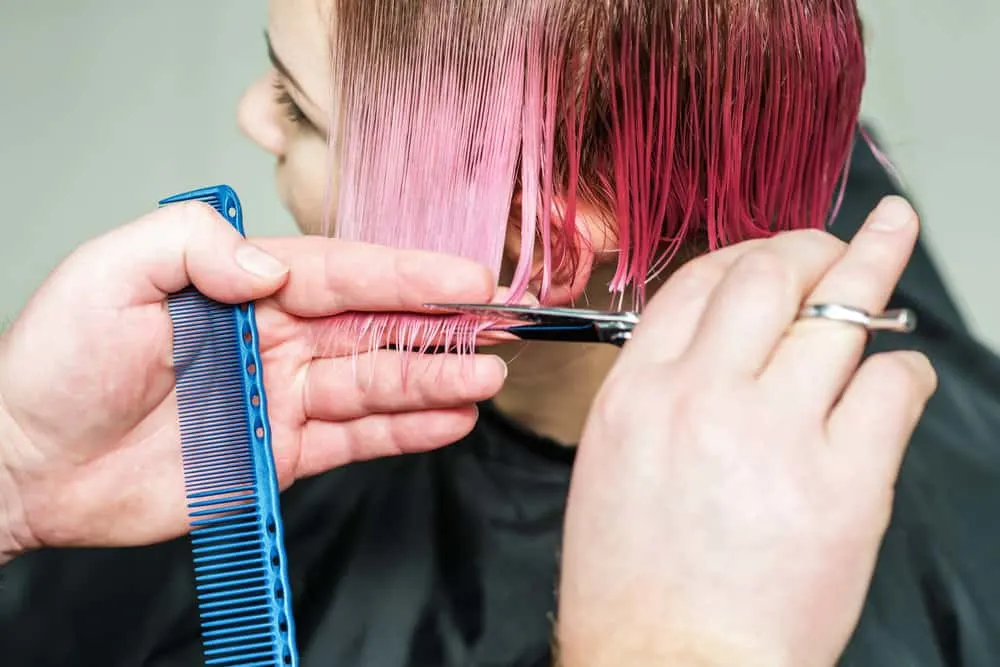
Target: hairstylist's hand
{"x": 736, "y": 474}
{"x": 89, "y": 444}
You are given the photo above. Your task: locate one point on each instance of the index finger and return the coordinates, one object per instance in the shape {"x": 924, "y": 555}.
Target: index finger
{"x": 331, "y": 276}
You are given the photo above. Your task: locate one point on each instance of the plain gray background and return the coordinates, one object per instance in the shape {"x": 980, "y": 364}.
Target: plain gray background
{"x": 108, "y": 105}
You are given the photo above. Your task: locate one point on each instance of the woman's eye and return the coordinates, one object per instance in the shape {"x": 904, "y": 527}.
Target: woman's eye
{"x": 292, "y": 110}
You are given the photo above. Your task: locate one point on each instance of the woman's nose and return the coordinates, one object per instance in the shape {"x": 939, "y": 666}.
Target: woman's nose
{"x": 257, "y": 115}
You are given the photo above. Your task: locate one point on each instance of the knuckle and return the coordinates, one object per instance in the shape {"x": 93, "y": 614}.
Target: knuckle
{"x": 867, "y": 270}
{"x": 316, "y": 385}
{"x": 817, "y": 242}
{"x": 405, "y": 272}
{"x": 819, "y": 237}
{"x": 765, "y": 266}
{"x": 193, "y": 221}
{"x": 858, "y": 284}
{"x": 196, "y": 213}
{"x": 697, "y": 277}
{"x": 871, "y": 264}
{"x": 876, "y": 249}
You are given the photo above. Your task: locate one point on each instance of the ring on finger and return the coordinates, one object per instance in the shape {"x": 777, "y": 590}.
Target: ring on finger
{"x": 902, "y": 320}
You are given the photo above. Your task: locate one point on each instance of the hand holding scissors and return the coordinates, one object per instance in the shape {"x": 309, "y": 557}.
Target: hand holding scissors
{"x": 736, "y": 473}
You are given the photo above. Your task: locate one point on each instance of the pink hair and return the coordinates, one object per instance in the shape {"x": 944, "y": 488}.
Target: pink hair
{"x": 699, "y": 120}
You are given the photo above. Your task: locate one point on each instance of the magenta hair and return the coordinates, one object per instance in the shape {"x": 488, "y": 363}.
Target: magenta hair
{"x": 699, "y": 122}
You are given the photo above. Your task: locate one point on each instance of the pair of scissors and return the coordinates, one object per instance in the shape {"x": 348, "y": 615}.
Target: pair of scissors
{"x": 543, "y": 323}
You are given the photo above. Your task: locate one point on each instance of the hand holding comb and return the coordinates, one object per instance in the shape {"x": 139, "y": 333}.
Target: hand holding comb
{"x": 241, "y": 576}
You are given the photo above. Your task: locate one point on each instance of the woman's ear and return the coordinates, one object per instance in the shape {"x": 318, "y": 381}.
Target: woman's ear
{"x": 579, "y": 243}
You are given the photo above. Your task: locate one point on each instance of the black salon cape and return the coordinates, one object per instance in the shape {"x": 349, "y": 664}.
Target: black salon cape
{"x": 449, "y": 558}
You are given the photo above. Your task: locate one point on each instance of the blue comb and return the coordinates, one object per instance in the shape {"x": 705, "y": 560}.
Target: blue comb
{"x": 241, "y": 577}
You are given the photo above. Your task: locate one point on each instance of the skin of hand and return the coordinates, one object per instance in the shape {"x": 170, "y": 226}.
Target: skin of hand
{"x": 89, "y": 440}
{"x": 736, "y": 474}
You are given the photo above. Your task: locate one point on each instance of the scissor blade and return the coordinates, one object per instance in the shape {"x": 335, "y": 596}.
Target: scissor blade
{"x": 538, "y": 314}
{"x": 577, "y": 332}
{"x": 493, "y": 310}
{"x": 550, "y": 324}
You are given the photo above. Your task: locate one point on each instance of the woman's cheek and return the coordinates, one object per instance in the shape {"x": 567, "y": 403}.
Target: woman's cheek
{"x": 304, "y": 182}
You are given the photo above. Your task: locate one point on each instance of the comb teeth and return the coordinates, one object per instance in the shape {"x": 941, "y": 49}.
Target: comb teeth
{"x": 221, "y": 198}
{"x": 241, "y": 580}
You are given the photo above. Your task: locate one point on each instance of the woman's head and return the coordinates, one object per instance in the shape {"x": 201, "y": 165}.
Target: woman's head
{"x": 598, "y": 126}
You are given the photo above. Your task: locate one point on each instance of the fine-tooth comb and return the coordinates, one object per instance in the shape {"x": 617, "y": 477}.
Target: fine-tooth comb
{"x": 241, "y": 577}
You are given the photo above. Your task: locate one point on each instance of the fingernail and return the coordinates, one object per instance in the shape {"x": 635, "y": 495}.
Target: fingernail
{"x": 503, "y": 365}
{"x": 892, "y": 214}
{"x": 258, "y": 262}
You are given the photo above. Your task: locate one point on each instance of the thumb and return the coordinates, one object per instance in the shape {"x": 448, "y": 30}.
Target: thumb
{"x": 182, "y": 244}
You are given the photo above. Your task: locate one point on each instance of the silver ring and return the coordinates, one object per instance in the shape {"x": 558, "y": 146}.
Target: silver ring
{"x": 902, "y": 320}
